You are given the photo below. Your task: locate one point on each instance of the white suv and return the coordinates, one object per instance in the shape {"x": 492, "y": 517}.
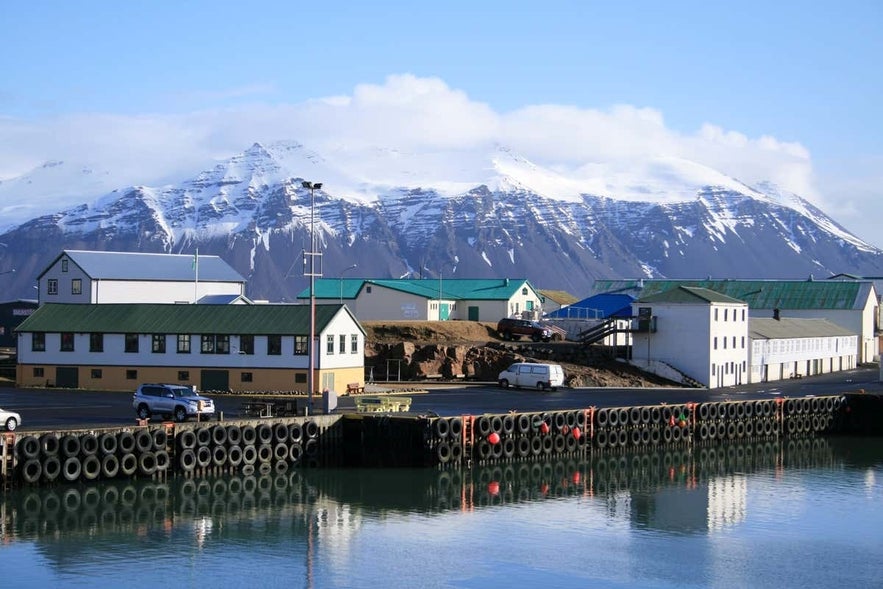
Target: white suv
{"x": 170, "y": 400}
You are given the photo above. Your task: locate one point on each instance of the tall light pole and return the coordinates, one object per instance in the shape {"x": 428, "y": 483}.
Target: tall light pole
{"x": 340, "y": 279}
{"x": 312, "y": 187}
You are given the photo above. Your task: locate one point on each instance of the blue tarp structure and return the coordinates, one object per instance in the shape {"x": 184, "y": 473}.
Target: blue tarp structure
{"x": 600, "y": 306}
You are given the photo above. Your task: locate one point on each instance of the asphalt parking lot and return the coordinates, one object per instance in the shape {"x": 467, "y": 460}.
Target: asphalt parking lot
{"x": 43, "y": 409}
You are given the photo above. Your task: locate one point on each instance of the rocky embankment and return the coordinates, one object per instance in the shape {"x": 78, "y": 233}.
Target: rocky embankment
{"x": 470, "y": 350}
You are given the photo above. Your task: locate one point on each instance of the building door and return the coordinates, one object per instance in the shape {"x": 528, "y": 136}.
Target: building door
{"x": 444, "y": 311}
{"x": 328, "y": 381}
{"x": 214, "y": 380}
{"x": 472, "y": 313}
{"x": 67, "y": 377}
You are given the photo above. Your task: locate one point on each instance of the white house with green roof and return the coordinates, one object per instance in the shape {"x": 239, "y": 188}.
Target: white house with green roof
{"x": 699, "y": 332}
{"x": 215, "y": 347}
{"x": 430, "y": 299}
{"x": 851, "y": 304}
{"x": 77, "y": 276}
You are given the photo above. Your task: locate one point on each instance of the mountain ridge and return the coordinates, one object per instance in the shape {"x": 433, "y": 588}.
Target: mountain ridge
{"x": 252, "y": 210}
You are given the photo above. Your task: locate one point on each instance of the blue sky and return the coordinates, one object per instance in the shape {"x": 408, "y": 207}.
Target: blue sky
{"x": 785, "y": 91}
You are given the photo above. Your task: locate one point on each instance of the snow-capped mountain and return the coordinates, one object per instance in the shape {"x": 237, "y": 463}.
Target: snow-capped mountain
{"x": 467, "y": 214}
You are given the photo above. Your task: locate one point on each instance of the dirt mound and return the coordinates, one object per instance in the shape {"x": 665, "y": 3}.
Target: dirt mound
{"x": 430, "y": 332}
{"x": 474, "y": 350}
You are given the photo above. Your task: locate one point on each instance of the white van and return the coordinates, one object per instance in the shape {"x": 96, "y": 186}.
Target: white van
{"x": 526, "y": 374}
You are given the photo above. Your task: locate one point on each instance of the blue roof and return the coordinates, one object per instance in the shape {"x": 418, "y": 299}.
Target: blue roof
{"x": 139, "y": 266}
{"x": 600, "y": 306}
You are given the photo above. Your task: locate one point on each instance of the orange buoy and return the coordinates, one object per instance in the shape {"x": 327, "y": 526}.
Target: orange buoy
{"x": 682, "y": 423}
{"x": 494, "y": 438}
{"x": 577, "y": 433}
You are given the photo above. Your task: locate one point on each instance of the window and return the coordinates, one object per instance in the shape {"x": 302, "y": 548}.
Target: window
{"x": 743, "y": 314}
{"x": 246, "y": 377}
{"x": 329, "y": 345}
{"x": 300, "y": 345}
{"x": 183, "y": 375}
{"x": 715, "y": 343}
{"x": 77, "y": 286}
{"x": 96, "y": 373}
{"x": 64, "y": 264}
{"x": 131, "y": 375}
{"x": 734, "y": 342}
{"x": 341, "y": 344}
{"x": 96, "y": 342}
{"x": 300, "y": 377}
{"x": 246, "y": 344}
{"x": 183, "y": 343}
{"x": 524, "y": 291}
{"x": 743, "y": 341}
{"x": 158, "y": 343}
{"x": 354, "y": 343}
{"x": 38, "y": 371}
{"x": 713, "y": 369}
{"x": 725, "y": 314}
{"x": 274, "y": 345}
{"x": 38, "y": 341}
{"x": 132, "y": 343}
{"x": 215, "y": 344}
{"x": 52, "y": 286}
{"x": 715, "y": 314}
{"x": 67, "y": 342}
{"x": 725, "y": 342}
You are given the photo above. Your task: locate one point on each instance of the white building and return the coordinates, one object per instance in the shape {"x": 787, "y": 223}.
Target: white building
{"x": 701, "y": 333}
{"x": 851, "y": 304}
{"x": 76, "y": 276}
{"x": 792, "y": 348}
{"x": 216, "y": 347}
{"x": 431, "y": 299}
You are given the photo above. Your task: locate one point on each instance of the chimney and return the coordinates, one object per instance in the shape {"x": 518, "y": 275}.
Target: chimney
{"x": 776, "y": 314}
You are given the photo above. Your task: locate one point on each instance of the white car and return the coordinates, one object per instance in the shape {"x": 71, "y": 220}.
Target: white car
{"x": 10, "y": 419}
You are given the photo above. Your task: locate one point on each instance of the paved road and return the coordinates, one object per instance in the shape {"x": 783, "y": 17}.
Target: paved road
{"x": 43, "y": 409}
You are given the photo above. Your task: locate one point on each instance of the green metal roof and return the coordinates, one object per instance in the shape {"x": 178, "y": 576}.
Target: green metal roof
{"x": 759, "y": 294}
{"x": 790, "y": 327}
{"x": 169, "y": 318}
{"x": 451, "y": 288}
{"x": 689, "y": 294}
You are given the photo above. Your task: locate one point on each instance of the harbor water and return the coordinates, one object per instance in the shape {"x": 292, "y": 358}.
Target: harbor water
{"x": 785, "y": 513}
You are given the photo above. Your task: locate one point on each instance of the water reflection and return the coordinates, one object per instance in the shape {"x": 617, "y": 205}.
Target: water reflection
{"x": 698, "y": 491}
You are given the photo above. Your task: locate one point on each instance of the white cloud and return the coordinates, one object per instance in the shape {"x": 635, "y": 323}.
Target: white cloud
{"x": 406, "y": 113}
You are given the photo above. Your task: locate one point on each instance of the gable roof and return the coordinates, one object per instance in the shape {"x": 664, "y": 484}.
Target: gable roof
{"x": 561, "y": 297}
{"x": 428, "y": 288}
{"x": 791, "y": 327}
{"x": 171, "y": 318}
{"x": 689, "y": 295}
{"x": 149, "y": 267}
{"x": 224, "y": 299}
{"x": 600, "y": 306}
{"x": 760, "y": 294}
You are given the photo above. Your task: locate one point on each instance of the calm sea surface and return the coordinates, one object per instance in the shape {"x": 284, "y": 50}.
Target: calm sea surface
{"x": 798, "y": 513}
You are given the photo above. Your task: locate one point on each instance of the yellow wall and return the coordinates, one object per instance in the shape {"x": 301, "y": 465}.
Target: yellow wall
{"x": 113, "y": 378}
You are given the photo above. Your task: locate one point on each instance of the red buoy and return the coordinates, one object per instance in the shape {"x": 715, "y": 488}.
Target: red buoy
{"x": 576, "y": 477}
{"x": 494, "y": 438}
{"x": 577, "y": 433}
{"x": 493, "y": 488}
{"x": 544, "y": 428}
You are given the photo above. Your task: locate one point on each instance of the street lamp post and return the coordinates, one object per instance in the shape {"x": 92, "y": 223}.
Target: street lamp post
{"x": 312, "y": 187}
{"x": 340, "y": 280}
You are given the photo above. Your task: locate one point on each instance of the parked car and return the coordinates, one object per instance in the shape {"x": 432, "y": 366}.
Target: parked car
{"x": 10, "y": 419}
{"x": 170, "y": 400}
{"x": 529, "y": 374}
{"x": 511, "y": 328}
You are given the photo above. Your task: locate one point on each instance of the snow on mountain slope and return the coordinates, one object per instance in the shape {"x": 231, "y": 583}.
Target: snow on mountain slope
{"x": 51, "y": 187}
